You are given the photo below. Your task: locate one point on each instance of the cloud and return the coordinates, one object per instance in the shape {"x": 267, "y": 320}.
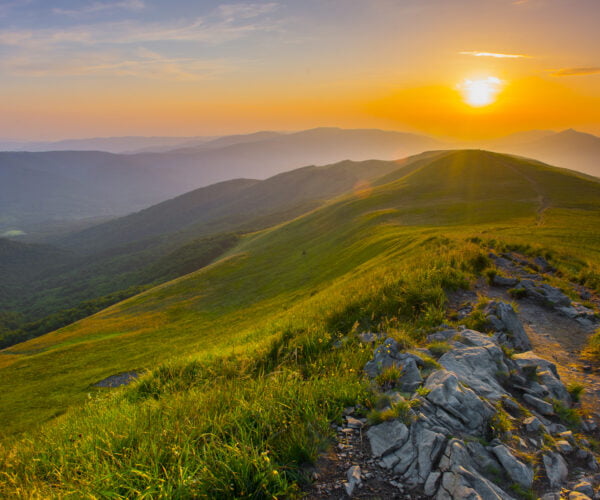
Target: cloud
{"x": 226, "y": 23}
{"x": 592, "y": 70}
{"x": 96, "y": 7}
{"x": 140, "y": 63}
{"x": 498, "y": 55}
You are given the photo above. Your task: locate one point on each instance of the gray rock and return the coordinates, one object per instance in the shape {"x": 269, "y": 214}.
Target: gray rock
{"x": 442, "y": 336}
{"x": 503, "y": 281}
{"x": 547, "y": 375}
{"x": 431, "y": 484}
{"x": 476, "y": 360}
{"x": 460, "y": 479}
{"x": 554, "y": 495}
{"x": 567, "y": 436}
{"x": 411, "y": 376}
{"x": 387, "y": 437}
{"x": 556, "y": 469}
{"x": 354, "y": 479}
{"x": 455, "y": 407}
{"x": 532, "y": 424}
{"x": 576, "y": 495}
{"x": 354, "y": 423}
{"x": 543, "y": 264}
{"x": 545, "y": 294}
{"x": 539, "y": 404}
{"x": 510, "y": 323}
{"x": 514, "y": 468}
{"x": 584, "y": 487}
{"x": 388, "y": 355}
{"x": 483, "y": 460}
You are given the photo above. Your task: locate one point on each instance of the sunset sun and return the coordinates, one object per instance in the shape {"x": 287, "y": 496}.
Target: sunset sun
{"x": 481, "y": 92}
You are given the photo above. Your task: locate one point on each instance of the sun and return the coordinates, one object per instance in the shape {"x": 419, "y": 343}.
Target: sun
{"x": 481, "y": 92}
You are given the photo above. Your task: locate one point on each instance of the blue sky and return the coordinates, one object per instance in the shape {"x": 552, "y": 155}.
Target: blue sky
{"x": 328, "y": 57}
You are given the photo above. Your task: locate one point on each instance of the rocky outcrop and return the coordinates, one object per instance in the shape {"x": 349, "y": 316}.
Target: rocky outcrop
{"x": 388, "y": 355}
{"x": 509, "y": 330}
{"x": 453, "y": 440}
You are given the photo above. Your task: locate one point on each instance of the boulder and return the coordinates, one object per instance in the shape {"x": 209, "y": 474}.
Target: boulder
{"x": 389, "y": 354}
{"x": 556, "y": 469}
{"x": 538, "y": 404}
{"x": 584, "y": 487}
{"x": 387, "y": 437}
{"x": 455, "y": 407}
{"x": 532, "y": 424}
{"x": 504, "y": 281}
{"x": 460, "y": 479}
{"x": 476, "y": 360}
{"x": 547, "y": 374}
{"x": 354, "y": 479}
{"x": 502, "y": 315}
{"x": 545, "y": 294}
{"x": 515, "y": 469}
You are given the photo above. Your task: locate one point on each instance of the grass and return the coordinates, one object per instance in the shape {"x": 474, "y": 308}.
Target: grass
{"x": 571, "y": 417}
{"x": 576, "y": 389}
{"x": 242, "y": 357}
{"x": 437, "y": 349}
{"x": 389, "y": 377}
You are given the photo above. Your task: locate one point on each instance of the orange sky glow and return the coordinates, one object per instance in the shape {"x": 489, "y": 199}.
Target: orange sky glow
{"x": 129, "y": 68}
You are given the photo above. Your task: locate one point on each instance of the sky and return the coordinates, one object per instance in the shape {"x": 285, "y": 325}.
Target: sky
{"x": 465, "y": 69}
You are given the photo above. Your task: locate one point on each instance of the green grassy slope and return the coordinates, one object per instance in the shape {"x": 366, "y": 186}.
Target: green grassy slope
{"x": 226, "y": 305}
{"x": 251, "y": 368}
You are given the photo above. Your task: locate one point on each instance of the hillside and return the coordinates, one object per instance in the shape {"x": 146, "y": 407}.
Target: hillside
{"x": 80, "y": 184}
{"x": 474, "y": 190}
{"x": 272, "y": 323}
{"x": 569, "y": 149}
{"x": 169, "y": 239}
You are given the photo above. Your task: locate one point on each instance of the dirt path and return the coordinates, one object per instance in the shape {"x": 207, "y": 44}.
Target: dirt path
{"x": 554, "y": 337}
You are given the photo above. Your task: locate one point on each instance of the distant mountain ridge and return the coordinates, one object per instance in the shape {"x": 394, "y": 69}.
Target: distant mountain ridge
{"x": 77, "y": 184}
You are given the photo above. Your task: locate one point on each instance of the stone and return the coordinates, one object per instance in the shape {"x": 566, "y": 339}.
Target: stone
{"x": 387, "y": 437}
{"x": 539, "y": 404}
{"x": 564, "y": 447}
{"x": 476, "y": 360}
{"x": 567, "y": 436}
{"x": 532, "y": 424}
{"x": 584, "y": 487}
{"x": 442, "y": 336}
{"x": 354, "y": 423}
{"x": 542, "y": 264}
{"x": 388, "y": 355}
{"x": 455, "y": 407}
{"x": 576, "y": 495}
{"x": 554, "y": 495}
{"x": 460, "y": 479}
{"x": 556, "y": 469}
{"x": 510, "y": 323}
{"x": 504, "y": 281}
{"x": 515, "y": 469}
{"x": 411, "y": 378}
{"x": 431, "y": 484}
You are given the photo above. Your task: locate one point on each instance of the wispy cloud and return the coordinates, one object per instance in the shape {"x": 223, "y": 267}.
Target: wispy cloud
{"x": 592, "y": 70}
{"x": 116, "y": 48}
{"x": 228, "y": 23}
{"x": 96, "y": 7}
{"x": 498, "y": 55}
{"x": 140, "y": 63}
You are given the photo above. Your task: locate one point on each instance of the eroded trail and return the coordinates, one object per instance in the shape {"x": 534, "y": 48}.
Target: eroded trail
{"x": 554, "y": 335}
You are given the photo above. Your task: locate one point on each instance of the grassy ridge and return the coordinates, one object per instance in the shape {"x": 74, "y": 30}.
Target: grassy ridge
{"x": 257, "y": 371}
